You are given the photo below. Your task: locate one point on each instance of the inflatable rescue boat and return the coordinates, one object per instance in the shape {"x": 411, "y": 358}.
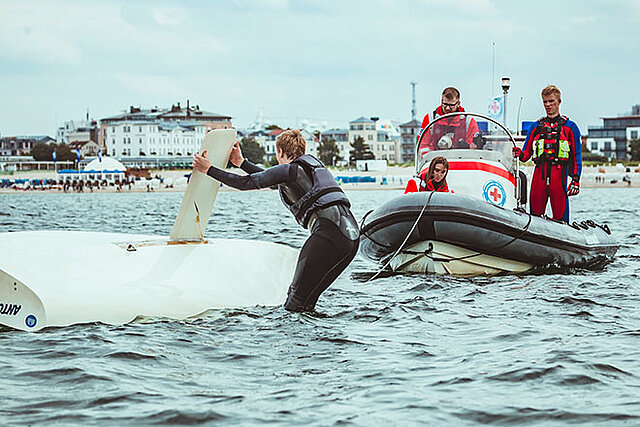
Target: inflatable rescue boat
{"x": 483, "y": 226}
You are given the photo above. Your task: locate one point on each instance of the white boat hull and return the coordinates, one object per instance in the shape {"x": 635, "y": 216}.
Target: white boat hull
{"x": 60, "y": 278}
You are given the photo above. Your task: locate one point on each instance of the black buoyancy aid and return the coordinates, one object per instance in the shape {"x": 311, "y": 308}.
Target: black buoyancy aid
{"x": 314, "y": 189}
{"x": 549, "y": 143}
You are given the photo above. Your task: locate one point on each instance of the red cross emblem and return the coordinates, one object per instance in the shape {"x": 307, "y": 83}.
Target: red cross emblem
{"x": 495, "y": 194}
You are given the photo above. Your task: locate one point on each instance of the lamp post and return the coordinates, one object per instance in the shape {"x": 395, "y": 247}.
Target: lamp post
{"x": 506, "y": 84}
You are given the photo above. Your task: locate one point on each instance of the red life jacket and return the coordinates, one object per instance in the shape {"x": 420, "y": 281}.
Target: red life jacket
{"x": 441, "y": 187}
{"x": 457, "y": 127}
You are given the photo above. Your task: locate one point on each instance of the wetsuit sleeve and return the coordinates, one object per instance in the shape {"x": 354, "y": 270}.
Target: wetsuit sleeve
{"x": 527, "y": 150}
{"x": 267, "y": 178}
{"x": 249, "y": 167}
{"x": 576, "y": 157}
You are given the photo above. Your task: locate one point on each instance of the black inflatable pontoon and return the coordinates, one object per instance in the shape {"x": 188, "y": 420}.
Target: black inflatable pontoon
{"x": 447, "y": 233}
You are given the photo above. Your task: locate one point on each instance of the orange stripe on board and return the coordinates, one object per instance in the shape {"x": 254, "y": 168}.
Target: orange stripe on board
{"x": 478, "y": 166}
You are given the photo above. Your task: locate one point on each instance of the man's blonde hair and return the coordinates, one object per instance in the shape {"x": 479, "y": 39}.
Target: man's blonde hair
{"x": 292, "y": 143}
{"x": 551, "y": 90}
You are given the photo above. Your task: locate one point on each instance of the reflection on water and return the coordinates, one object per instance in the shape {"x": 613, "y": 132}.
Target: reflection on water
{"x": 550, "y": 349}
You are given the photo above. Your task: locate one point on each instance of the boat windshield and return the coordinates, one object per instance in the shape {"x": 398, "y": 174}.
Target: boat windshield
{"x": 465, "y": 131}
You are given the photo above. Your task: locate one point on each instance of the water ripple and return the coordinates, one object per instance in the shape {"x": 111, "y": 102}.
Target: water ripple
{"x": 553, "y": 347}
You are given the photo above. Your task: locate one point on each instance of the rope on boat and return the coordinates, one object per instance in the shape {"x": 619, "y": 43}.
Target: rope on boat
{"x": 427, "y": 252}
{"x": 405, "y": 239}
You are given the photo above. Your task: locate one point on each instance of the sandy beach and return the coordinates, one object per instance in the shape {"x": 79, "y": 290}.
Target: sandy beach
{"x": 393, "y": 178}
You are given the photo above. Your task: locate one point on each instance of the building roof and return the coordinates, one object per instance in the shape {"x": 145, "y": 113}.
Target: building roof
{"x": 362, "y": 120}
{"x": 411, "y": 124}
{"x": 334, "y": 131}
{"x": 79, "y": 144}
{"x": 275, "y": 132}
{"x": 176, "y": 112}
{"x": 30, "y": 137}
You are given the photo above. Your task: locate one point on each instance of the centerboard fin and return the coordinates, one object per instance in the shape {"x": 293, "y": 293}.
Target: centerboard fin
{"x": 200, "y": 195}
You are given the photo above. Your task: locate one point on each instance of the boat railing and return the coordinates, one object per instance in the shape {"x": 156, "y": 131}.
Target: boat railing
{"x": 493, "y": 145}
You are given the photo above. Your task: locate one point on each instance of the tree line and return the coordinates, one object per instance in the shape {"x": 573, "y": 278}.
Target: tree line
{"x": 328, "y": 151}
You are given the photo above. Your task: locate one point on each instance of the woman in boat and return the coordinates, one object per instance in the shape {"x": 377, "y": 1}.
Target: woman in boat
{"x": 437, "y": 176}
{"x": 314, "y": 198}
{"x": 432, "y": 179}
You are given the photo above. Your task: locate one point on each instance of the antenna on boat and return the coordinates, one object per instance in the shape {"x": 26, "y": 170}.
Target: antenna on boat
{"x": 518, "y": 127}
{"x": 493, "y": 70}
{"x": 413, "y": 101}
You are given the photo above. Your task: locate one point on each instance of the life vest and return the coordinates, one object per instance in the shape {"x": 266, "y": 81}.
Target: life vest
{"x": 456, "y": 127}
{"x": 442, "y": 187}
{"x": 314, "y": 189}
{"x": 550, "y": 141}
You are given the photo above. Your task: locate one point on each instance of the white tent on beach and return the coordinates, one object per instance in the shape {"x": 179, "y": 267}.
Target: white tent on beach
{"x": 100, "y": 169}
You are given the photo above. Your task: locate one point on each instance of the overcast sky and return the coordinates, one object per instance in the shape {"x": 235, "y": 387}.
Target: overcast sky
{"x": 324, "y": 60}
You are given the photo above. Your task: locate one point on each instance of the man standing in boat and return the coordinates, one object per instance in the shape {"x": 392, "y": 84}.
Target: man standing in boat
{"x": 314, "y": 198}
{"x": 452, "y": 132}
{"x": 553, "y": 142}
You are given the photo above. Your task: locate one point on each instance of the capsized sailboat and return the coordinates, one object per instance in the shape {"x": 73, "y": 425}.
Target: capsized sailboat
{"x": 113, "y": 278}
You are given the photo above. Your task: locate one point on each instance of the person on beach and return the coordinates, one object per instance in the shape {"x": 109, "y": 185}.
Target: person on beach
{"x": 553, "y": 142}
{"x": 316, "y": 201}
{"x": 454, "y": 132}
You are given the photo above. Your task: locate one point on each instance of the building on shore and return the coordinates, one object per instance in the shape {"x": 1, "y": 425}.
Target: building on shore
{"x": 21, "y": 145}
{"x": 341, "y": 138}
{"x": 612, "y": 138}
{"x": 382, "y": 137}
{"x": 409, "y": 132}
{"x": 158, "y": 131}
{"x": 78, "y": 131}
{"x": 87, "y": 148}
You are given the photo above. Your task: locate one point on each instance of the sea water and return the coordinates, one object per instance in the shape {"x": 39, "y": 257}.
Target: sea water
{"x": 545, "y": 349}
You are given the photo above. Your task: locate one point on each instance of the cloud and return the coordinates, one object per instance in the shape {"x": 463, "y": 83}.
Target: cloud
{"x": 26, "y": 38}
{"x": 170, "y": 16}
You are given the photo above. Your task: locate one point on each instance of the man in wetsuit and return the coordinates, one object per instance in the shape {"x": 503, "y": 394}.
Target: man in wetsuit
{"x": 448, "y": 133}
{"x": 554, "y": 144}
{"x": 314, "y": 198}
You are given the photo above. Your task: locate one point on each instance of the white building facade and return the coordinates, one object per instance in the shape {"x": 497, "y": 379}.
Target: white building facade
{"x": 154, "y": 138}
{"x": 382, "y": 137}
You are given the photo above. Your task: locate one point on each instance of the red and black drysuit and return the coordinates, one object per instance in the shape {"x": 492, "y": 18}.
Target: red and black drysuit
{"x": 555, "y": 147}
{"x": 462, "y": 128}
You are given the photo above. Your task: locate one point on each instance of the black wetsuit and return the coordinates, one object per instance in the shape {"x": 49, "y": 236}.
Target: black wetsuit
{"x": 323, "y": 209}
